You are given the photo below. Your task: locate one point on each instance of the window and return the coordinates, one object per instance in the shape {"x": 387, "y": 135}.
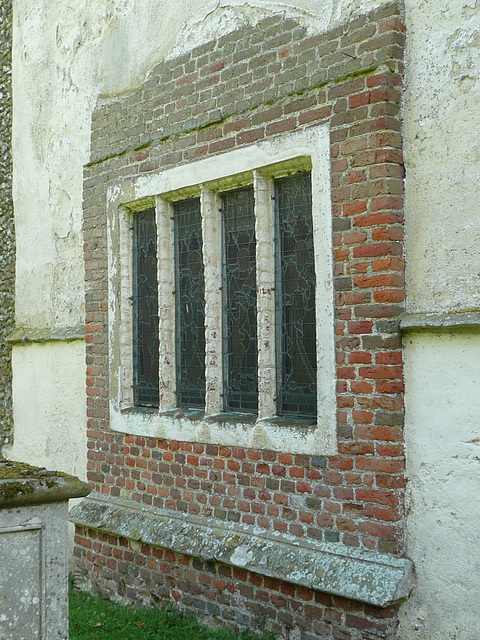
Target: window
{"x": 189, "y": 304}
{"x": 231, "y": 311}
{"x": 239, "y": 301}
{"x": 145, "y": 309}
{"x": 294, "y": 301}
{"x": 295, "y": 287}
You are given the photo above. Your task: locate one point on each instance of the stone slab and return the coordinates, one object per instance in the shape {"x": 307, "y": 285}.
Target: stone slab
{"x": 33, "y": 578}
{"x": 22, "y": 335}
{"x": 357, "y": 574}
{"x": 23, "y": 484}
{"x": 441, "y": 321}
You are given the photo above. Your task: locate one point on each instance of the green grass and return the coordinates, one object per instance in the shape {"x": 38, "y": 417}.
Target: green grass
{"x": 94, "y": 618}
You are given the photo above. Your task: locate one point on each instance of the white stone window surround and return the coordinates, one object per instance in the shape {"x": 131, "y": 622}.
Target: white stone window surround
{"x": 257, "y": 164}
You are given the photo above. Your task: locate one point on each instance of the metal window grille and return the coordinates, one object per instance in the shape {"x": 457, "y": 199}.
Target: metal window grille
{"x": 145, "y": 310}
{"x": 295, "y": 295}
{"x": 240, "y": 301}
{"x": 189, "y": 304}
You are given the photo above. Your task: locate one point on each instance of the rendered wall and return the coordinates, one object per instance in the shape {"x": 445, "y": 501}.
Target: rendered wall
{"x": 442, "y": 371}
{"x": 443, "y": 446}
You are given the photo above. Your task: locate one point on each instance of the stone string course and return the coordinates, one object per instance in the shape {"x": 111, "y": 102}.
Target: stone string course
{"x": 7, "y": 229}
{"x": 250, "y": 85}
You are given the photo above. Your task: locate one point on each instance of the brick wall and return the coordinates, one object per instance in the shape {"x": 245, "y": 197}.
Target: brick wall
{"x": 252, "y": 84}
{"x": 239, "y": 598}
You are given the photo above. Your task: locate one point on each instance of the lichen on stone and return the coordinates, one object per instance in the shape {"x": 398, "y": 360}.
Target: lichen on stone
{"x": 12, "y": 470}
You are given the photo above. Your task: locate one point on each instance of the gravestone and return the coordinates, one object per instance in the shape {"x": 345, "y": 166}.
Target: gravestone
{"x": 34, "y": 551}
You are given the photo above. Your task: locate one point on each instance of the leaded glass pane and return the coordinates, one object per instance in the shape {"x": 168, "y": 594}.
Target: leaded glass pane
{"x": 145, "y": 310}
{"x": 189, "y": 304}
{"x": 295, "y": 286}
{"x": 240, "y": 301}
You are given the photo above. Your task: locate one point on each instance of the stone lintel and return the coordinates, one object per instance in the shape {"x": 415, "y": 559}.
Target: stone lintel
{"x": 23, "y": 485}
{"x": 356, "y": 574}
{"x": 22, "y": 335}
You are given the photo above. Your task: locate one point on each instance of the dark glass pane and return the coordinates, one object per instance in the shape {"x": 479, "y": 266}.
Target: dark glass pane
{"x": 295, "y": 286}
{"x": 189, "y": 304}
{"x": 145, "y": 310}
{"x": 240, "y": 301}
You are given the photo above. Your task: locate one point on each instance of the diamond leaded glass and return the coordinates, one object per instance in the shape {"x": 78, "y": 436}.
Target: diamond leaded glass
{"x": 189, "y": 304}
{"x": 145, "y": 310}
{"x": 295, "y": 288}
{"x": 240, "y": 301}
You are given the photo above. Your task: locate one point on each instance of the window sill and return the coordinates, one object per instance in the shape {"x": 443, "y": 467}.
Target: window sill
{"x": 283, "y": 434}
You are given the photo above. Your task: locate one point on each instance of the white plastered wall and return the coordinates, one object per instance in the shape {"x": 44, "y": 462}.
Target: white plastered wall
{"x": 67, "y": 54}
{"x": 443, "y": 447}
{"x": 442, "y": 370}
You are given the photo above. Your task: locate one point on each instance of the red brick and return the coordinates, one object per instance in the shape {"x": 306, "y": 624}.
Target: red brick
{"x": 391, "y": 24}
{"x": 389, "y": 387}
{"x": 360, "y": 357}
{"x": 360, "y": 326}
{"x": 315, "y": 114}
{"x": 346, "y": 373}
{"x": 385, "y": 280}
{"x": 388, "y": 264}
{"x": 238, "y": 125}
{"x": 362, "y": 417}
{"x": 377, "y": 249}
{"x": 387, "y": 233}
{"x": 359, "y": 386}
{"x": 388, "y": 155}
{"x": 381, "y": 372}
{"x": 378, "y": 530}
{"x": 389, "y": 295}
{"x": 387, "y": 465}
{"x": 355, "y": 176}
{"x": 352, "y": 237}
{"x": 387, "y": 515}
{"x": 394, "y": 450}
{"x": 246, "y": 137}
{"x": 385, "y": 139}
{"x": 296, "y": 472}
{"x": 354, "y": 208}
{"x": 354, "y": 448}
{"x": 377, "y": 496}
{"x": 304, "y": 487}
{"x": 389, "y": 357}
{"x": 282, "y": 125}
{"x": 392, "y": 79}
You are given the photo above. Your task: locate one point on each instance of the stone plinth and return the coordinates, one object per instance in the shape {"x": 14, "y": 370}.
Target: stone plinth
{"x": 34, "y": 551}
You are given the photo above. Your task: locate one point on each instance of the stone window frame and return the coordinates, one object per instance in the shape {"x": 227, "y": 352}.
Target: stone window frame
{"x": 292, "y": 153}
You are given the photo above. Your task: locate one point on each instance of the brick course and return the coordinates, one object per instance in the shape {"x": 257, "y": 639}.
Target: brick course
{"x": 246, "y": 86}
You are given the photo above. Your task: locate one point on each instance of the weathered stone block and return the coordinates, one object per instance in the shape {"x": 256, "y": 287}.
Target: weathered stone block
{"x": 34, "y": 551}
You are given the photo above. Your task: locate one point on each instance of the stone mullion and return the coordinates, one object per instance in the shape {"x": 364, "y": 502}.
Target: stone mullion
{"x": 123, "y": 265}
{"x": 213, "y": 301}
{"x": 264, "y": 231}
{"x": 166, "y": 306}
